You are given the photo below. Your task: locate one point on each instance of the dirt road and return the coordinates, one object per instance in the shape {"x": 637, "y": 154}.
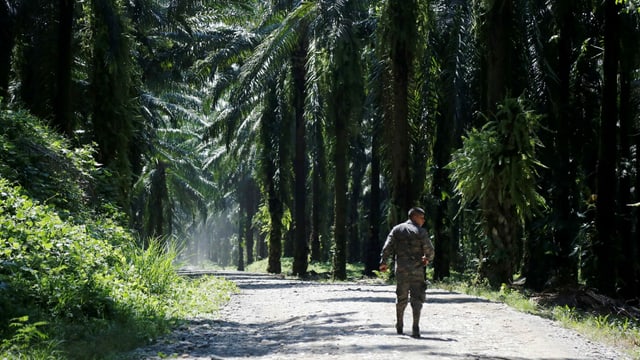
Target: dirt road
{"x": 275, "y": 318}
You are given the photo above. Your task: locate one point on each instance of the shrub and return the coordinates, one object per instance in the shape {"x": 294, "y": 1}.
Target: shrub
{"x": 44, "y": 163}
{"x": 86, "y": 286}
{"x": 48, "y": 263}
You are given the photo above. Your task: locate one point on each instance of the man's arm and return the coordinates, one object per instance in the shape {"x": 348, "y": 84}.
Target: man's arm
{"x": 386, "y": 252}
{"x": 427, "y": 248}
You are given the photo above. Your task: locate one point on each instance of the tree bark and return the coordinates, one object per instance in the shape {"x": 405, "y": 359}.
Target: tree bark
{"x": 63, "y": 119}
{"x": 300, "y": 244}
{"x": 373, "y": 244}
{"x": 242, "y": 219}
{"x": 498, "y": 20}
{"x": 402, "y": 33}
{"x": 318, "y": 213}
{"x": 564, "y": 171}
{"x": 502, "y": 252}
{"x": 340, "y": 191}
{"x": 7, "y": 42}
{"x": 358, "y": 169}
{"x": 630, "y": 283}
{"x": 606, "y": 248}
{"x": 271, "y": 156}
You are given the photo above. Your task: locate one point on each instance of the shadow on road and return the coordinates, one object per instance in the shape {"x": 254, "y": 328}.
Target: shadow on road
{"x": 334, "y": 326}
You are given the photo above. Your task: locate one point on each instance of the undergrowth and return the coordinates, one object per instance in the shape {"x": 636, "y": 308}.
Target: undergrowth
{"x": 74, "y": 282}
{"x": 70, "y": 291}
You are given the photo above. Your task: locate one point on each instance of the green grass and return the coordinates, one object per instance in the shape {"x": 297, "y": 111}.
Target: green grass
{"x": 620, "y": 332}
{"x": 109, "y": 339}
{"x": 316, "y": 270}
{"x": 87, "y": 291}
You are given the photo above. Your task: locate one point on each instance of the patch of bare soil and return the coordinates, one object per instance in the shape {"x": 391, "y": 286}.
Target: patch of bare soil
{"x": 276, "y": 318}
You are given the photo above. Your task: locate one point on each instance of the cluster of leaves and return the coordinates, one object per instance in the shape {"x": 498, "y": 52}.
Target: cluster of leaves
{"x": 49, "y": 263}
{"x": 67, "y": 277}
{"x": 501, "y": 155}
{"x": 72, "y": 277}
{"x": 43, "y": 163}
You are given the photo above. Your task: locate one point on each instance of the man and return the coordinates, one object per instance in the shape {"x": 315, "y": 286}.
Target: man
{"x": 409, "y": 244}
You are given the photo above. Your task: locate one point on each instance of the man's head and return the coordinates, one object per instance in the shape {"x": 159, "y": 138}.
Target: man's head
{"x": 416, "y": 215}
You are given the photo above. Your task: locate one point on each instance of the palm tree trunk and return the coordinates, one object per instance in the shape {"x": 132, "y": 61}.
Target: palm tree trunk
{"x": 498, "y": 21}
{"x": 251, "y": 210}
{"x": 7, "y": 42}
{"x": 271, "y": 156}
{"x": 340, "y": 193}
{"x": 62, "y": 104}
{"x": 373, "y": 246}
{"x": 628, "y": 244}
{"x": 275, "y": 233}
{"x": 111, "y": 91}
{"x": 300, "y": 244}
{"x": 157, "y": 218}
{"x": 401, "y": 41}
{"x": 565, "y": 170}
{"x": 242, "y": 218}
{"x": 606, "y": 247}
{"x": 441, "y": 224}
{"x": 340, "y": 114}
{"x": 318, "y": 212}
{"x": 502, "y": 253}
{"x": 358, "y": 169}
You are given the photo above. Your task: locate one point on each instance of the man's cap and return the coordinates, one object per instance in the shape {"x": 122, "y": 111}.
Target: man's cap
{"x": 414, "y": 210}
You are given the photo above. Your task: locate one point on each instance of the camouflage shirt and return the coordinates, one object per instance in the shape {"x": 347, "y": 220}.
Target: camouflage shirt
{"x": 407, "y": 242}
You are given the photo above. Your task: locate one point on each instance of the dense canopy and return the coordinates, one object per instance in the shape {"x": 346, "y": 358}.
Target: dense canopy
{"x": 246, "y": 130}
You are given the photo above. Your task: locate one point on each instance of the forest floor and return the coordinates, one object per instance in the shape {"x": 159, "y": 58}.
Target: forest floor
{"x": 277, "y": 318}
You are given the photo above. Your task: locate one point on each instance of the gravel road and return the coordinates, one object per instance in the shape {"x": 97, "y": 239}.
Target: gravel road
{"x": 276, "y": 318}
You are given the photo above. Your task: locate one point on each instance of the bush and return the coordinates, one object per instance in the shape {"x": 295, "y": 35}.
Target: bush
{"x": 84, "y": 285}
{"x": 44, "y": 164}
{"x": 49, "y": 264}
{"x": 73, "y": 282}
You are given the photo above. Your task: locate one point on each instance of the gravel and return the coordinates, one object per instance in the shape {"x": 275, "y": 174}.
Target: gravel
{"x": 277, "y": 318}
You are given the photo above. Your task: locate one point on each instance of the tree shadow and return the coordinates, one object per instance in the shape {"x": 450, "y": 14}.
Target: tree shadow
{"x": 317, "y": 335}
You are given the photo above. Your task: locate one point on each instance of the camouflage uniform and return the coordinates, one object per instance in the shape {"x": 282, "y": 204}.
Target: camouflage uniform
{"x": 408, "y": 242}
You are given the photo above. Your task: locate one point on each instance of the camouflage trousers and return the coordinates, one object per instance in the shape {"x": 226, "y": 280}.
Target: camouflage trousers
{"x": 410, "y": 287}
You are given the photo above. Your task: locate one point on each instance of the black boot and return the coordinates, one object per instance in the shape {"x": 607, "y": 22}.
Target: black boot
{"x": 400, "y": 318}
{"x": 415, "y": 333}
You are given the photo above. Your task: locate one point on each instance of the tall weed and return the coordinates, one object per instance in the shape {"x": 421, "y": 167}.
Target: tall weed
{"x": 87, "y": 289}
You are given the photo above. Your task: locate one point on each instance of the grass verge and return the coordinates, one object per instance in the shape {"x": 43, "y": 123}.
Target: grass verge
{"x": 621, "y": 332}
{"x": 113, "y": 338}
{"x": 315, "y": 271}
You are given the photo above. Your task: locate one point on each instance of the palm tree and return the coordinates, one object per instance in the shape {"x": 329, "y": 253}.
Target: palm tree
{"x": 451, "y": 40}
{"x": 497, "y": 166}
{"x": 345, "y": 106}
{"x": 113, "y": 91}
{"x": 629, "y": 60}
{"x": 299, "y": 74}
{"x": 285, "y": 45}
{"x": 607, "y": 244}
{"x": 399, "y": 34}
{"x": 174, "y": 186}
{"x": 320, "y": 210}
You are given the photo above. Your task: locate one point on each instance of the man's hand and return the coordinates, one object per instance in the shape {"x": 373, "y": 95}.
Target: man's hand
{"x": 425, "y": 261}
{"x": 383, "y": 267}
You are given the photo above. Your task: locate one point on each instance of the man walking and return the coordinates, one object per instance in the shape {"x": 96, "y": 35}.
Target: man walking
{"x": 409, "y": 244}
